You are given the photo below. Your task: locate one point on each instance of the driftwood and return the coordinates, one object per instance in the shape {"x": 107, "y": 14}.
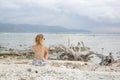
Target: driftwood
{"x": 19, "y": 54}
{"x": 69, "y": 53}
{"x": 8, "y": 54}
{"x": 66, "y": 53}
{"x": 80, "y": 47}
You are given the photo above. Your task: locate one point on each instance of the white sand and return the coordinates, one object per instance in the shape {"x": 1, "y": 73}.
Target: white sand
{"x": 57, "y": 70}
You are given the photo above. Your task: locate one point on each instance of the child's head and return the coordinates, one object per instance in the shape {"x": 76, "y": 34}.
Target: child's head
{"x": 39, "y": 39}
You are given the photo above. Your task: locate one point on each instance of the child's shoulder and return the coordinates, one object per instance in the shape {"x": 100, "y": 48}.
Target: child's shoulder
{"x": 45, "y": 47}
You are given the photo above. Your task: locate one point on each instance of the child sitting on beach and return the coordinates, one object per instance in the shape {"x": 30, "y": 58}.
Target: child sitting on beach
{"x": 40, "y": 51}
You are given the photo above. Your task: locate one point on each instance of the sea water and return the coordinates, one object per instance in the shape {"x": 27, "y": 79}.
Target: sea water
{"x": 21, "y": 41}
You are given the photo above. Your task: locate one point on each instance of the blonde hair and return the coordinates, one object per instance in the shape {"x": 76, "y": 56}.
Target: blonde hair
{"x": 38, "y": 39}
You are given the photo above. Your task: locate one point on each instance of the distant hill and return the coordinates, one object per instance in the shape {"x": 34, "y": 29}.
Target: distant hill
{"x": 27, "y": 28}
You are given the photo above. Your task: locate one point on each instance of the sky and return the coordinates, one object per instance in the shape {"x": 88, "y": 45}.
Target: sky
{"x": 93, "y": 15}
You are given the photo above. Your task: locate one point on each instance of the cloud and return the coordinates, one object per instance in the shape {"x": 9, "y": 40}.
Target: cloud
{"x": 93, "y": 15}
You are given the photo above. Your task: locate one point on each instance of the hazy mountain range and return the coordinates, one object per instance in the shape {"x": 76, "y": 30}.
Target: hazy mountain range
{"x": 38, "y": 28}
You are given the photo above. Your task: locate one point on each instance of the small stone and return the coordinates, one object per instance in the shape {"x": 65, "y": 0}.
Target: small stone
{"x": 74, "y": 67}
{"x": 22, "y": 79}
{"x": 85, "y": 64}
{"x": 101, "y": 78}
{"x": 111, "y": 69}
{"x": 36, "y": 71}
{"x": 29, "y": 70}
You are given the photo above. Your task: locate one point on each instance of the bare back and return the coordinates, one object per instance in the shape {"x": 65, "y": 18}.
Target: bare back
{"x": 41, "y": 52}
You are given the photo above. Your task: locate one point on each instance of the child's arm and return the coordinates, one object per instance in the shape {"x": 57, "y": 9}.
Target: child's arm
{"x": 46, "y": 53}
{"x": 33, "y": 48}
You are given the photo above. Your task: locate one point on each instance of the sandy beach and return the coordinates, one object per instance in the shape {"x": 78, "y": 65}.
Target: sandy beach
{"x": 16, "y": 69}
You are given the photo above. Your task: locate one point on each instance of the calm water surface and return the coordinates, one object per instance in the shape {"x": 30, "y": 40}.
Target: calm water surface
{"x": 110, "y": 42}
